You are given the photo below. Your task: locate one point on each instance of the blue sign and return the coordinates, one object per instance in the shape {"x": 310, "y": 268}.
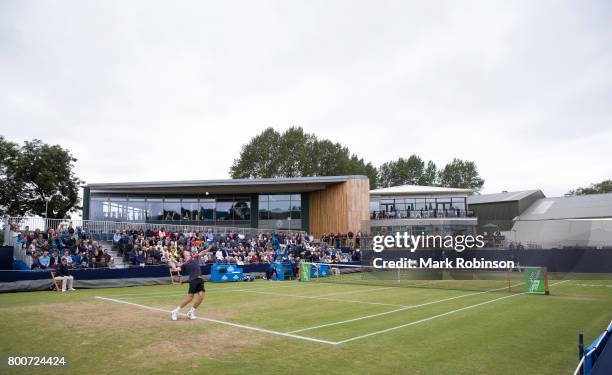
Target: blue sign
{"x": 220, "y": 273}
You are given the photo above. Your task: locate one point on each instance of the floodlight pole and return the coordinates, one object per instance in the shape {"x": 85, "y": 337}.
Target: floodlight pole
{"x": 47, "y": 200}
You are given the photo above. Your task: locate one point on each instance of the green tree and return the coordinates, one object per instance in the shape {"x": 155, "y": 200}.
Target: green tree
{"x": 259, "y": 158}
{"x": 37, "y": 173}
{"x": 461, "y": 174}
{"x": 411, "y": 171}
{"x": 430, "y": 175}
{"x": 295, "y": 153}
{"x": 11, "y": 194}
{"x": 598, "y": 188}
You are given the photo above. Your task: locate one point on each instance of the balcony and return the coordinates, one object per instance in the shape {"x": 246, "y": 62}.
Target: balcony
{"x": 421, "y": 214}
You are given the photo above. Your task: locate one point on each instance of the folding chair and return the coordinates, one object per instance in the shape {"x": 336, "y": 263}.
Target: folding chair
{"x": 56, "y": 283}
{"x": 175, "y": 274}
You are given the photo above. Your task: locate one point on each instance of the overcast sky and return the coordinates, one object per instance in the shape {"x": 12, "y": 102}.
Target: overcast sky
{"x": 171, "y": 90}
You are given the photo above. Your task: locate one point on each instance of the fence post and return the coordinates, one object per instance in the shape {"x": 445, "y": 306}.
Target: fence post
{"x": 581, "y": 350}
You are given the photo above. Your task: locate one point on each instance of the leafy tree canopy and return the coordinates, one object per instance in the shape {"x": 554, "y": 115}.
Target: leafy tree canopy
{"x": 598, "y": 188}
{"x": 460, "y": 174}
{"x": 33, "y": 174}
{"x": 295, "y": 153}
{"x": 411, "y": 171}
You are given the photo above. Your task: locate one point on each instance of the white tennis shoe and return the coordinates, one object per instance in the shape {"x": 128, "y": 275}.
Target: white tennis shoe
{"x": 175, "y": 314}
{"x": 191, "y": 314}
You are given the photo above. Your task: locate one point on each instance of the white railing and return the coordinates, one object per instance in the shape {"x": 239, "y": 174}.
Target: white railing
{"x": 109, "y": 227}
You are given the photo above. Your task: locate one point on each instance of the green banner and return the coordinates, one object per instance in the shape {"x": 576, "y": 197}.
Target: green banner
{"x": 535, "y": 280}
{"x": 305, "y": 271}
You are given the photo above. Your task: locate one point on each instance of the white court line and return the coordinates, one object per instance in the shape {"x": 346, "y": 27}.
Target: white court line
{"x": 385, "y": 312}
{"x": 595, "y": 285}
{"x": 394, "y": 311}
{"x": 257, "y": 329}
{"x": 435, "y": 316}
{"x": 427, "y": 319}
{"x": 305, "y": 338}
{"x": 323, "y": 298}
{"x": 428, "y": 283}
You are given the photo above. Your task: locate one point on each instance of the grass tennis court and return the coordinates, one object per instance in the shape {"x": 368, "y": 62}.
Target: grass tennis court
{"x": 296, "y": 328}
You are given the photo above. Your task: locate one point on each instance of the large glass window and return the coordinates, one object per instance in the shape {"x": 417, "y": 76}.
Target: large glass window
{"x": 387, "y": 205}
{"x": 295, "y": 214}
{"x": 279, "y": 210}
{"x": 136, "y": 209}
{"x": 280, "y": 207}
{"x": 189, "y": 209}
{"x": 242, "y": 209}
{"x": 296, "y": 206}
{"x": 207, "y": 209}
{"x": 280, "y": 197}
{"x": 409, "y": 207}
{"x": 430, "y": 203}
{"x": 264, "y": 210}
{"x": 420, "y": 204}
{"x": 459, "y": 203}
{"x": 97, "y": 206}
{"x": 374, "y": 206}
{"x": 159, "y": 208}
{"x": 172, "y": 209}
{"x": 410, "y": 204}
{"x": 155, "y": 209}
{"x": 223, "y": 210}
{"x": 106, "y": 210}
{"x": 118, "y": 208}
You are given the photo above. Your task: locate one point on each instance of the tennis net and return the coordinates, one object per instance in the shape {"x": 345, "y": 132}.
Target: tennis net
{"x": 510, "y": 280}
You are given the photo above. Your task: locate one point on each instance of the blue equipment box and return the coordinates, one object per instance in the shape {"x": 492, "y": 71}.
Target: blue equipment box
{"x": 220, "y": 273}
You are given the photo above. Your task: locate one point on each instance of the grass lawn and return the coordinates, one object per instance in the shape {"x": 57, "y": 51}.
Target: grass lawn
{"x": 298, "y": 328}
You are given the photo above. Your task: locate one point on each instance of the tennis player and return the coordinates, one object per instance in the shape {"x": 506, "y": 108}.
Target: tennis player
{"x": 191, "y": 265}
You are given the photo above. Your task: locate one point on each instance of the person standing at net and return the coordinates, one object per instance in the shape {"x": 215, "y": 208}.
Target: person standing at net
{"x": 191, "y": 266}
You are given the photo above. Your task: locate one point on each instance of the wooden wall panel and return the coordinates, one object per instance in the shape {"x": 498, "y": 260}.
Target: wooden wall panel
{"x": 358, "y": 207}
{"x": 340, "y": 207}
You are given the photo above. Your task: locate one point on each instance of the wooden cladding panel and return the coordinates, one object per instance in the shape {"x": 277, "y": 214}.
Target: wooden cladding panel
{"x": 358, "y": 206}
{"x": 340, "y": 207}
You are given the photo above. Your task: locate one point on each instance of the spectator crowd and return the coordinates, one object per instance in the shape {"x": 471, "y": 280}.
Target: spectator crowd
{"x": 45, "y": 249}
{"x": 150, "y": 247}
{"x": 41, "y": 250}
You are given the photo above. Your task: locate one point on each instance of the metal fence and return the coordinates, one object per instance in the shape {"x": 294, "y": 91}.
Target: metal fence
{"x": 419, "y": 214}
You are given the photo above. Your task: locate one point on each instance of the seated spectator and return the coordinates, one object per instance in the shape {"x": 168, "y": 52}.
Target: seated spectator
{"x": 67, "y": 257}
{"x": 270, "y": 273}
{"x": 44, "y": 261}
{"x": 55, "y": 260}
{"x": 133, "y": 255}
{"x": 108, "y": 259}
{"x": 92, "y": 262}
{"x": 76, "y": 259}
{"x": 141, "y": 259}
{"x": 116, "y": 239}
{"x": 63, "y": 274}
{"x": 85, "y": 261}
{"x": 219, "y": 255}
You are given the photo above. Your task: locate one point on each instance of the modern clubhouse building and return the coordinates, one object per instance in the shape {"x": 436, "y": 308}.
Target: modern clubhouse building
{"x": 313, "y": 204}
